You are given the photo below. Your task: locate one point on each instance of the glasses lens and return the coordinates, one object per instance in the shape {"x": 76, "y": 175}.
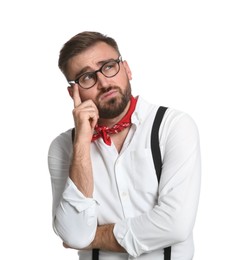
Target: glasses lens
{"x": 87, "y": 80}
{"x": 110, "y": 69}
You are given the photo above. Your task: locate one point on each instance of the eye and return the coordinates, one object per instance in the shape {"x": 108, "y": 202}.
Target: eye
{"x": 109, "y": 65}
{"x": 87, "y": 76}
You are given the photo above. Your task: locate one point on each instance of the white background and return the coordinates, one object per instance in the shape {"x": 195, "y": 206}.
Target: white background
{"x": 190, "y": 55}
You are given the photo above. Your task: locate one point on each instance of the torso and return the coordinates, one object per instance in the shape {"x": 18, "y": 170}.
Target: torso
{"x": 118, "y": 139}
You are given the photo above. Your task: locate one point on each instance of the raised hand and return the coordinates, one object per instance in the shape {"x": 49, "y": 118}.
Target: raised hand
{"x": 85, "y": 117}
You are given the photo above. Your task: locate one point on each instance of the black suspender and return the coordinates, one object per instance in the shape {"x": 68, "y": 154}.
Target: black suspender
{"x": 156, "y": 154}
{"x": 95, "y": 254}
{"x": 155, "y": 148}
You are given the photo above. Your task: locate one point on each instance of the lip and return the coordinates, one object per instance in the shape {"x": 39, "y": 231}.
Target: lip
{"x": 108, "y": 94}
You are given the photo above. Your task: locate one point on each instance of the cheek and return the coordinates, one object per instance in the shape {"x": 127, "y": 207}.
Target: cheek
{"x": 87, "y": 94}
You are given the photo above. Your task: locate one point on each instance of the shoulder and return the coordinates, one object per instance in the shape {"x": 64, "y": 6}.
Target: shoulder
{"x": 174, "y": 117}
{"x": 179, "y": 124}
{"x": 62, "y": 143}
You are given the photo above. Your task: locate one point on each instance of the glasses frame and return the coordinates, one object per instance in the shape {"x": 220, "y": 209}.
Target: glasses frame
{"x": 94, "y": 73}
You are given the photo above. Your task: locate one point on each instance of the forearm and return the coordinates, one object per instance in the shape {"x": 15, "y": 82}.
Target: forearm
{"x": 105, "y": 240}
{"x": 85, "y": 118}
{"x": 81, "y": 169}
{"x": 171, "y": 221}
{"x": 74, "y": 209}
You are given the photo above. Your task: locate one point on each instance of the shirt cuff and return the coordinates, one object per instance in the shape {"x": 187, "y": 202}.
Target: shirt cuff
{"x": 125, "y": 237}
{"x": 76, "y": 198}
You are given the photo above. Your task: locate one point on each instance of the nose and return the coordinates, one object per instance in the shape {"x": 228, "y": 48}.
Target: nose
{"x": 102, "y": 81}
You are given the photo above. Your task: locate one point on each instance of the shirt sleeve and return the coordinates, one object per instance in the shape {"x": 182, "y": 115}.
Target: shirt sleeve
{"x": 172, "y": 219}
{"x": 71, "y": 209}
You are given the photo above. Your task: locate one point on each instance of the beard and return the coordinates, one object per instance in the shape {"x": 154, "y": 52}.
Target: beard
{"x": 116, "y": 105}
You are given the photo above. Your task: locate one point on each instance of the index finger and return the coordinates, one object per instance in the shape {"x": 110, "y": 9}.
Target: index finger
{"x": 76, "y": 98}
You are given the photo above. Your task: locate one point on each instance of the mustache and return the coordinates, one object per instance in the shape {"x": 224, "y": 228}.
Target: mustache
{"x": 107, "y": 89}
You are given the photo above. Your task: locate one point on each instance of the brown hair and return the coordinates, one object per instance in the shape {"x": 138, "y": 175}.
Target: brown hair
{"x": 80, "y": 43}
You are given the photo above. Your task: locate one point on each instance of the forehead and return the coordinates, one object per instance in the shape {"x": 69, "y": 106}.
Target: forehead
{"x": 91, "y": 58}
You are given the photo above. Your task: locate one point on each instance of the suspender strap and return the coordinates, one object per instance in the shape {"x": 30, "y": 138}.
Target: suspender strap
{"x": 73, "y": 134}
{"x": 155, "y": 147}
{"x": 95, "y": 254}
{"x": 167, "y": 253}
{"x": 156, "y": 153}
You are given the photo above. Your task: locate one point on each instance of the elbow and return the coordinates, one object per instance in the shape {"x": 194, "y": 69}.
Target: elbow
{"x": 180, "y": 236}
{"x": 181, "y": 231}
{"x": 76, "y": 238}
{"x": 77, "y": 243}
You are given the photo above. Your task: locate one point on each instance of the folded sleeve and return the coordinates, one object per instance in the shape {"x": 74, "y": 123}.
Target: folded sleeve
{"x": 76, "y": 218}
{"x": 172, "y": 219}
{"x": 74, "y": 215}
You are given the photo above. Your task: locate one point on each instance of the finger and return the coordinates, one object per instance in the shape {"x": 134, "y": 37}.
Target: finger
{"x": 94, "y": 120}
{"x": 94, "y": 116}
{"x": 76, "y": 98}
{"x": 90, "y": 104}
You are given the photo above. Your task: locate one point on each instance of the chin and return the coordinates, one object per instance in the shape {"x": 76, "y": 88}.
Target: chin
{"x": 113, "y": 108}
{"x": 116, "y": 105}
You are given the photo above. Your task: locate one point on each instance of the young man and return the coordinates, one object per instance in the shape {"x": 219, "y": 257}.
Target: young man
{"x": 105, "y": 192}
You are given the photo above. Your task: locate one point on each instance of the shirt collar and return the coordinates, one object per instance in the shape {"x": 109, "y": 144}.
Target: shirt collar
{"x": 140, "y": 111}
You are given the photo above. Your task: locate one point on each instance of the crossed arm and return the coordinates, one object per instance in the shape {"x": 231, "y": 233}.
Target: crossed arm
{"x": 104, "y": 240}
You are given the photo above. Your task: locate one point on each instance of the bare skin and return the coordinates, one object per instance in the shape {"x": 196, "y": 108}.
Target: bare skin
{"x": 85, "y": 117}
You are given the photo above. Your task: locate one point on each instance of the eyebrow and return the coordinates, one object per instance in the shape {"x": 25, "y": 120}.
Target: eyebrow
{"x": 86, "y": 68}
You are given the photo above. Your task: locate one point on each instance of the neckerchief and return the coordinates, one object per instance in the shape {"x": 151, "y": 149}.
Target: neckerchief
{"x": 105, "y": 132}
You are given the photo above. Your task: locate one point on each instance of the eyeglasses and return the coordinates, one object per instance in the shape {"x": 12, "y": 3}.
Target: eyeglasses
{"x": 89, "y": 79}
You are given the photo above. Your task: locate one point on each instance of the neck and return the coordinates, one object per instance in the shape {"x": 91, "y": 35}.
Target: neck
{"x": 112, "y": 121}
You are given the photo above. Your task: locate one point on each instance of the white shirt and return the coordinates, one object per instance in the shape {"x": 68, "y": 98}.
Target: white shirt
{"x": 148, "y": 217}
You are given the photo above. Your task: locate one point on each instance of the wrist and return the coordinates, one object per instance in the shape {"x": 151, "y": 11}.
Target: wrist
{"x": 105, "y": 239}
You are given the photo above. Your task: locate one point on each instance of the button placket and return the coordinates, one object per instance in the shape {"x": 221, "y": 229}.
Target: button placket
{"x": 121, "y": 179}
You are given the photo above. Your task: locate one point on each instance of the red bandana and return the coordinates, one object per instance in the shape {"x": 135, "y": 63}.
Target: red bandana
{"x": 104, "y": 131}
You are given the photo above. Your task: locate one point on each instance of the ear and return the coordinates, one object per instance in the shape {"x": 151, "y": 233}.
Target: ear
{"x": 127, "y": 69}
{"x": 70, "y": 91}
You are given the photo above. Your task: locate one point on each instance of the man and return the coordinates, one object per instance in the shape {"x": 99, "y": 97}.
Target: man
{"x": 105, "y": 192}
